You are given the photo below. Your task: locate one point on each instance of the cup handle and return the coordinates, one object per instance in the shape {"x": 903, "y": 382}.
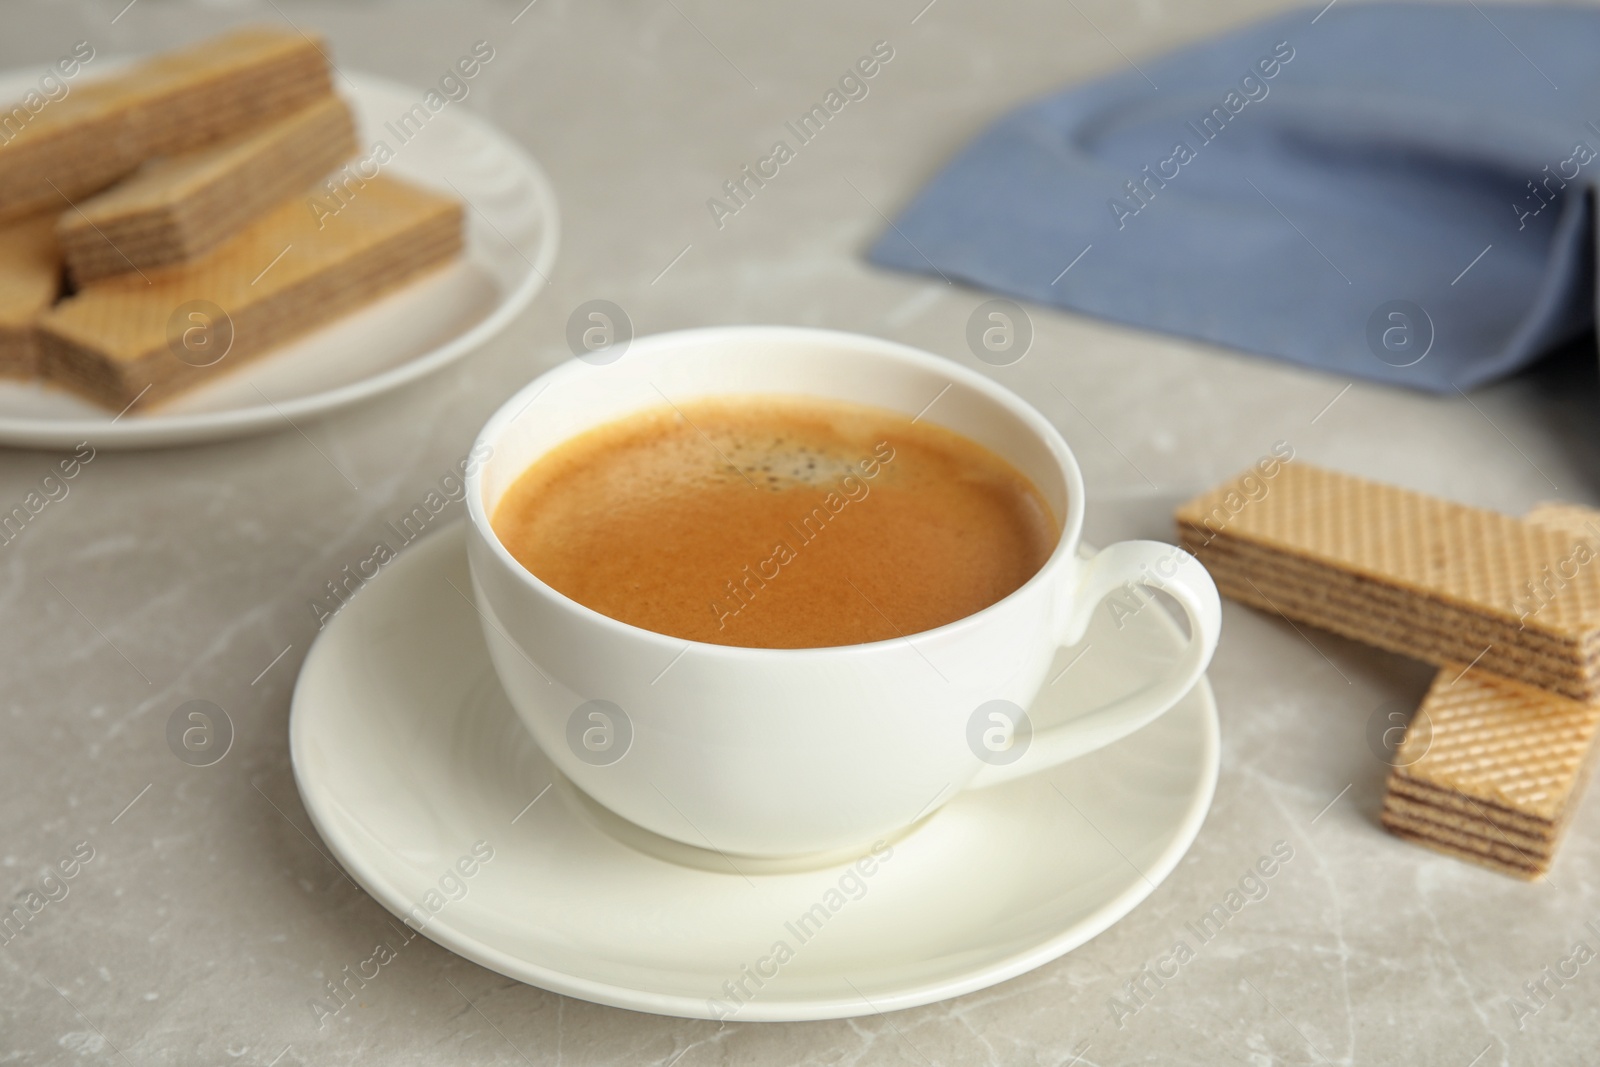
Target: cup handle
{"x": 1159, "y": 566}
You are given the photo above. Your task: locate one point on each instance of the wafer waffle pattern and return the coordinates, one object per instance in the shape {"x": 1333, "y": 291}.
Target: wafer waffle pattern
{"x": 173, "y": 103}
{"x": 1428, "y": 578}
{"x": 1491, "y": 771}
{"x": 30, "y": 279}
{"x": 115, "y": 342}
{"x": 178, "y": 208}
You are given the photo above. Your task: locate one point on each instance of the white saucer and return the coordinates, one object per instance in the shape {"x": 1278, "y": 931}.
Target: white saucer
{"x": 408, "y": 756}
{"x": 512, "y": 230}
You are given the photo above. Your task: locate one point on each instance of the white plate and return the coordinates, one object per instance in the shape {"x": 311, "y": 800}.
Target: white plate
{"x": 407, "y": 755}
{"x": 512, "y": 230}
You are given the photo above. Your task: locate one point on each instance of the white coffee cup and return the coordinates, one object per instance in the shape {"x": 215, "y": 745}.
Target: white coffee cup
{"x": 786, "y": 752}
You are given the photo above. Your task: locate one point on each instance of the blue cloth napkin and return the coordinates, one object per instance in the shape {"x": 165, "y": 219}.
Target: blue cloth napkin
{"x": 1391, "y": 191}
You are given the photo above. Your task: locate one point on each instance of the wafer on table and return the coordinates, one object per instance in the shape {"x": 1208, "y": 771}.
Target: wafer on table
{"x": 177, "y": 208}
{"x": 1491, "y": 771}
{"x": 175, "y": 102}
{"x": 30, "y": 281}
{"x": 1438, "y": 581}
{"x": 125, "y": 341}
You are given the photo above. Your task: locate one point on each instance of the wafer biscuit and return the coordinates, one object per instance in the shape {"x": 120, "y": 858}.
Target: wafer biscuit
{"x": 1428, "y": 578}
{"x": 1491, "y": 771}
{"x": 127, "y": 342}
{"x": 177, "y": 208}
{"x": 1369, "y": 612}
{"x": 171, "y": 103}
{"x": 30, "y": 281}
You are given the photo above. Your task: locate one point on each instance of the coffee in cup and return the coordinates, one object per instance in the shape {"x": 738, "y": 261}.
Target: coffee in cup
{"x": 777, "y": 522}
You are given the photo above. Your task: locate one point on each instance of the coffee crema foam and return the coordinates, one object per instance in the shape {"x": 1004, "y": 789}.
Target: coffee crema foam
{"x": 777, "y": 522}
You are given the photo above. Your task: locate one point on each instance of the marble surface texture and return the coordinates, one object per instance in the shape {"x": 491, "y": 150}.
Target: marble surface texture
{"x": 207, "y": 917}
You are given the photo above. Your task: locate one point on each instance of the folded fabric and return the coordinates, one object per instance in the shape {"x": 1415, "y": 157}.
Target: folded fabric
{"x": 1391, "y": 191}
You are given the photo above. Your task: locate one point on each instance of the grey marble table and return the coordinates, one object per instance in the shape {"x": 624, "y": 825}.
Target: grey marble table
{"x": 208, "y": 916}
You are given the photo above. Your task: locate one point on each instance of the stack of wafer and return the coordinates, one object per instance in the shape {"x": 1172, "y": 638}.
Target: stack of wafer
{"x": 180, "y": 197}
{"x": 127, "y": 340}
{"x": 1491, "y": 770}
{"x": 1509, "y": 608}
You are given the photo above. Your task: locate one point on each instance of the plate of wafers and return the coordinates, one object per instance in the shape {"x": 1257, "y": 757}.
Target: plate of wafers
{"x": 230, "y": 237}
